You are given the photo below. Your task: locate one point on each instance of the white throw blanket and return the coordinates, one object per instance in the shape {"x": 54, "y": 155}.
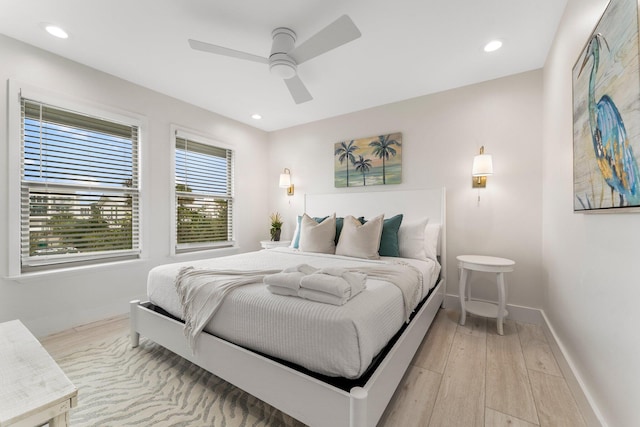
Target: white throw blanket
{"x": 406, "y": 277}
{"x": 201, "y": 293}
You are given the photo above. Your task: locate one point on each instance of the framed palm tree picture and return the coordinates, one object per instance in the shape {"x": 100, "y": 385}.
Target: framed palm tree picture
{"x": 606, "y": 113}
{"x": 376, "y": 160}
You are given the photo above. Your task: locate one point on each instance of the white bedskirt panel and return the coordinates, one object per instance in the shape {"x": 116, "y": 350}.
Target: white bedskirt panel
{"x": 331, "y": 340}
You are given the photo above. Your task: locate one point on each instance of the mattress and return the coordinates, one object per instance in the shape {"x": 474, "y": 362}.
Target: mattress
{"x": 337, "y": 341}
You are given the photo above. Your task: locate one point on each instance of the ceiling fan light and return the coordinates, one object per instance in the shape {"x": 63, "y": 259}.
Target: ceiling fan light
{"x": 282, "y": 69}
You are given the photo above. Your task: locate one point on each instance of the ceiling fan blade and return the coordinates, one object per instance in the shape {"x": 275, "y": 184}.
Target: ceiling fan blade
{"x": 340, "y": 32}
{"x": 219, "y": 50}
{"x": 298, "y": 90}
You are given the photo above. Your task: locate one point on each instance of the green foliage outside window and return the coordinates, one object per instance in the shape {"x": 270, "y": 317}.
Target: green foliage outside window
{"x": 201, "y": 219}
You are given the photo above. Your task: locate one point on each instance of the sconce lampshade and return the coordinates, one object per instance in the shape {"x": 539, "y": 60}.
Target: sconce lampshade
{"x": 482, "y": 165}
{"x": 285, "y": 180}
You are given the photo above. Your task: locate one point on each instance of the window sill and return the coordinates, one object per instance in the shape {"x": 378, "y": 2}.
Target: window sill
{"x": 73, "y": 271}
{"x": 206, "y": 253}
{"x": 97, "y": 268}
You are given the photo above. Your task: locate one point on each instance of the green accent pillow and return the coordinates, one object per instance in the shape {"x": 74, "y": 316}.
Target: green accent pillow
{"x": 339, "y": 225}
{"x": 389, "y": 240}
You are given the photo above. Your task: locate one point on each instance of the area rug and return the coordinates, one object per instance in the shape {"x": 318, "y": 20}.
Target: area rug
{"x": 150, "y": 386}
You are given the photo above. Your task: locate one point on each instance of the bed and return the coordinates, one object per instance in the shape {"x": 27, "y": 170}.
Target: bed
{"x": 270, "y": 346}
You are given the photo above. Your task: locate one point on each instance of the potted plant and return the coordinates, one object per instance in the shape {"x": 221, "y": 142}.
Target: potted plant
{"x": 276, "y": 226}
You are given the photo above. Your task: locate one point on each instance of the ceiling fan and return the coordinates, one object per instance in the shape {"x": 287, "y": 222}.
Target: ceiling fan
{"x": 285, "y": 56}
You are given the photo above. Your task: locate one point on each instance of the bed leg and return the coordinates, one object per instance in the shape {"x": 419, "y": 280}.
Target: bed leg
{"x": 358, "y": 407}
{"x": 133, "y": 320}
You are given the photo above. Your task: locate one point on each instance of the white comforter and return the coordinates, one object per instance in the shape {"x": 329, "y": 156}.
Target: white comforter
{"x": 331, "y": 340}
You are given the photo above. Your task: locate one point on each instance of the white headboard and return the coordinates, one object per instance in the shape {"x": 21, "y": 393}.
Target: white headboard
{"x": 413, "y": 204}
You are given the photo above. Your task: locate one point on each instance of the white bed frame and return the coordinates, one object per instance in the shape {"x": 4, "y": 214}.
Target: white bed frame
{"x": 303, "y": 397}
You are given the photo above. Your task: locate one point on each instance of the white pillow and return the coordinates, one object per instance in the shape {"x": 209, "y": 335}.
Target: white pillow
{"x": 318, "y": 237}
{"x": 360, "y": 240}
{"x": 432, "y": 240}
{"x": 411, "y": 237}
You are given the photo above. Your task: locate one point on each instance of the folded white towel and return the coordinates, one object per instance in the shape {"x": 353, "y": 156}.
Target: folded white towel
{"x": 332, "y": 271}
{"x": 357, "y": 281}
{"x": 302, "y": 268}
{"x": 321, "y": 297}
{"x": 347, "y": 284}
{"x": 279, "y": 290}
{"x": 330, "y": 285}
{"x": 326, "y": 283}
{"x": 284, "y": 280}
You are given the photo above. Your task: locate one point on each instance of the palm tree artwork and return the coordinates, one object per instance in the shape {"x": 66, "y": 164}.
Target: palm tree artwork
{"x": 606, "y": 122}
{"x": 378, "y": 159}
{"x": 363, "y": 165}
{"x": 383, "y": 148}
{"x": 344, "y": 152}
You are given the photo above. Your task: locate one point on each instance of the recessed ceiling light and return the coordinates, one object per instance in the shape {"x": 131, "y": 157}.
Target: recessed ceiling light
{"x": 493, "y": 46}
{"x": 256, "y": 116}
{"x": 56, "y": 31}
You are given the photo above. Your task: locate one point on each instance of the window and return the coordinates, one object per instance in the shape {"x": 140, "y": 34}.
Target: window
{"x": 203, "y": 195}
{"x": 79, "y": 188}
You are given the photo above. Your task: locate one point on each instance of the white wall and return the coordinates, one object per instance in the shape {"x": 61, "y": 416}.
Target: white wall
{"x": 60, "y": 300}
{"x": 441, "y": 134}
{"x": 591, "y": 262}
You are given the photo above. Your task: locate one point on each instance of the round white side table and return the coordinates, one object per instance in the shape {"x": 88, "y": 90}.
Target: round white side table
{"x": 490, "y": 264}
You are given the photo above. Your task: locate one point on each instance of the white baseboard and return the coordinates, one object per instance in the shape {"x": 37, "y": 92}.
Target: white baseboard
{"x": 576, "y": 385}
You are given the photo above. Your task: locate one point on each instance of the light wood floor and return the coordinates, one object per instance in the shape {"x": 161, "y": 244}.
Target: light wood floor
{"x": 461, "y": 376}
{"x": 471, "y": 376}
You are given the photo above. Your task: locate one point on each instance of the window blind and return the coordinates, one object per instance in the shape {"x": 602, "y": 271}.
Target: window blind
{"x": 204, "y": 195}
{"x": 79, "y": 188}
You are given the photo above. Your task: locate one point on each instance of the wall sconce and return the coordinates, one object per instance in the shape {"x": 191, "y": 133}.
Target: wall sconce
{"x": 285, "y": 181}
{"x": 482, "y": 167}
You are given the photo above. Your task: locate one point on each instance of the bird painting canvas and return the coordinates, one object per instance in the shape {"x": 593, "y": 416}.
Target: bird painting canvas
{"x": 606, "y": 113}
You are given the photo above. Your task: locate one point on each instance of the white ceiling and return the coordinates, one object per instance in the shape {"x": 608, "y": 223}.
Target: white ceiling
{"x": 408, "y": 48}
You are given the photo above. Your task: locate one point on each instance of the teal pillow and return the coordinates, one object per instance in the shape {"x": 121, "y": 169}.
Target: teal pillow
{"x": 339, "y": 225}
{"x": 296, "y": 240}
{"x": 389, "y": 239}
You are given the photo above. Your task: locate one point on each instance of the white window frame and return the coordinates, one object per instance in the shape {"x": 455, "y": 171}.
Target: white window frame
{"x": 17, "y": 91}
{"x": 182, "y": 132}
